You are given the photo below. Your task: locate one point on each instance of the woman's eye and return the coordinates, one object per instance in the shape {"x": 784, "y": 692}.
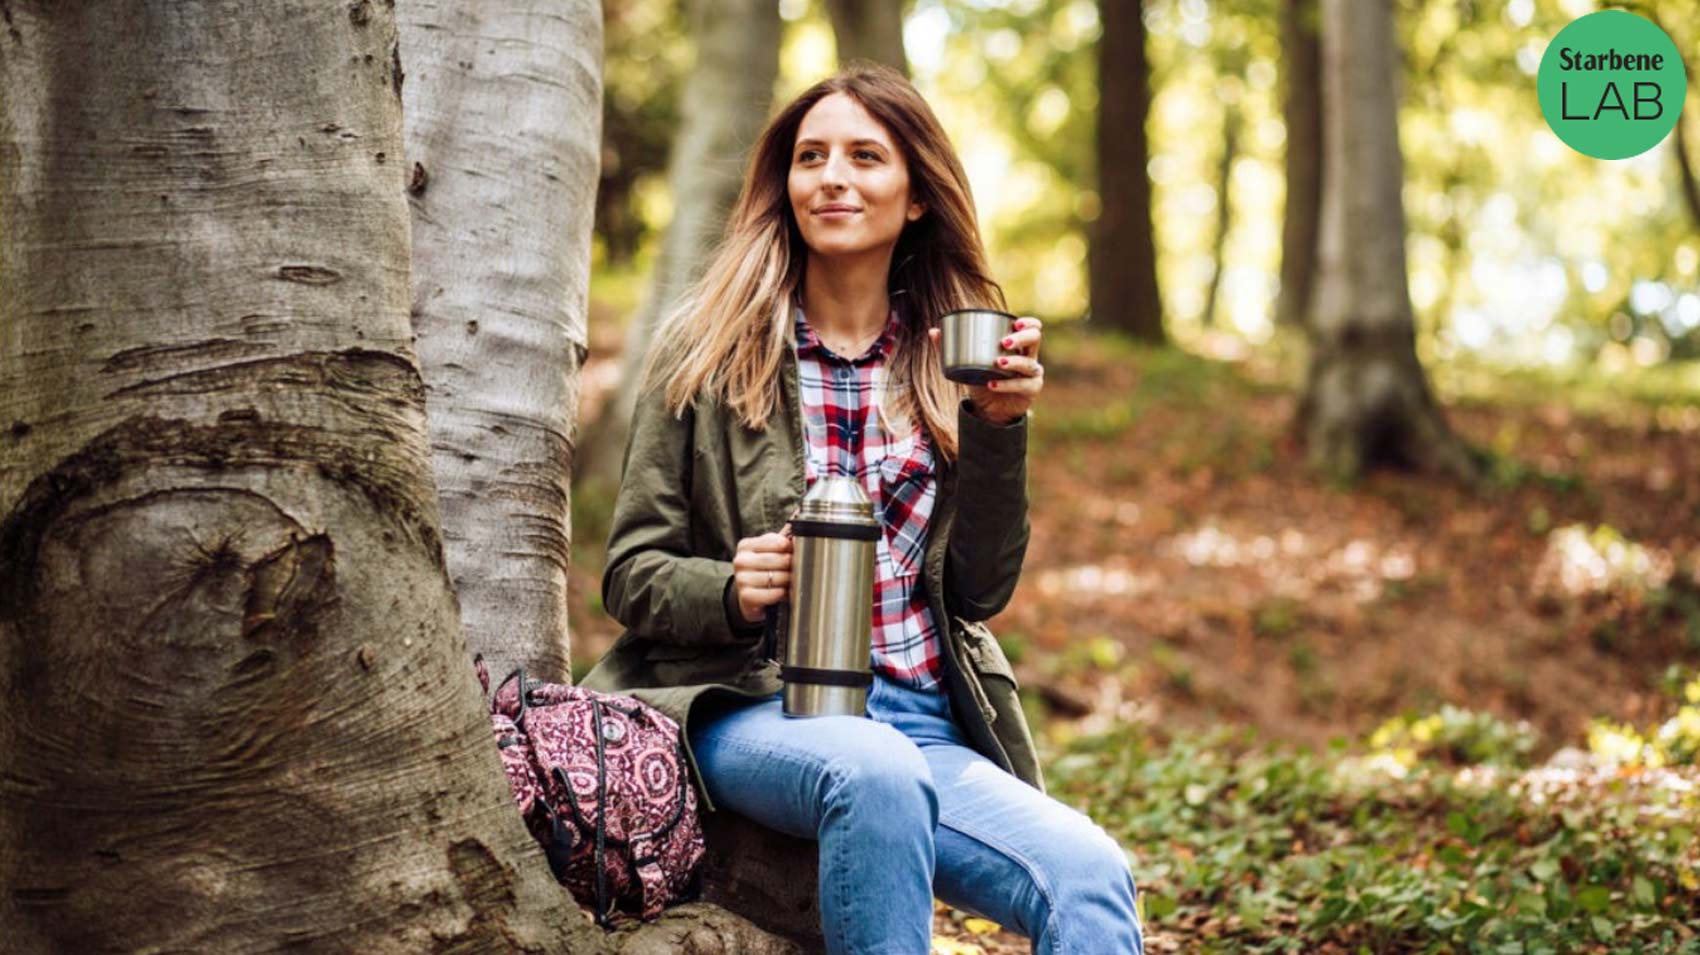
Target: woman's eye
{"x": 810, "y": 155}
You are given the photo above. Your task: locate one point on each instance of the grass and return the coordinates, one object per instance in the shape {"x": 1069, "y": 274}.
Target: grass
{"x": 1241, "y": 849}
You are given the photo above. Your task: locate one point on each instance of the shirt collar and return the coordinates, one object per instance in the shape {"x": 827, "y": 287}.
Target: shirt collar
{"x": 808, "y": 341}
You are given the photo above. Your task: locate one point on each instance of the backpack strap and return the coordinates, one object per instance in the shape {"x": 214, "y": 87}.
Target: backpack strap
{"x": 601, "y": 820}
{"x": 600, "y": 825}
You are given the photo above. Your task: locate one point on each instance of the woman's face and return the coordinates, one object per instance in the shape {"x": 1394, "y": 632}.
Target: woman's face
{"x": 849, "y": 184}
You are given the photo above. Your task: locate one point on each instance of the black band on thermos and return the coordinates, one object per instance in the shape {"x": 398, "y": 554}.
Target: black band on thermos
{"x": 850, "y": 678}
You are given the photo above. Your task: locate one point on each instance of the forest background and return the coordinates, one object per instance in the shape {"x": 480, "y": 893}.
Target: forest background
{"x": 1389, "y": 712}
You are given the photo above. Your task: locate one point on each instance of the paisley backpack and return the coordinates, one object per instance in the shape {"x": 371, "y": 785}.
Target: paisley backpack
{"x": 602, "y": 783}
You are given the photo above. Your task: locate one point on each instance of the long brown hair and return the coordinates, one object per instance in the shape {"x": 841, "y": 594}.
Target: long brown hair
{"x": 725, "y": 338}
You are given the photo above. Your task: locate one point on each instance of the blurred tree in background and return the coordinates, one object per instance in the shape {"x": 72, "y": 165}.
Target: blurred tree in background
{"x": 1124, "y": 256}
{"x": 869, "y": 30}
{"x": 724, "y": 105}
{"x": 1301, "y": 109}
{"x": 1366, "y": 399}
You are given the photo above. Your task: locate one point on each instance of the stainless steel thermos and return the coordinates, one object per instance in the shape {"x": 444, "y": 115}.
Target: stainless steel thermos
{"x": 829, "y": 621}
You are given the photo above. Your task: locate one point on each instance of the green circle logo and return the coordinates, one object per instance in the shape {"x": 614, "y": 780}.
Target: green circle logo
{"x": 1611, "y": 85}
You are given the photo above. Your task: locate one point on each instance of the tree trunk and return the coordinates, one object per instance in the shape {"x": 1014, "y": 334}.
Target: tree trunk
{"x": 238, "y": 713}
{"x": 1302, "y": 110}
{"x": 1231, "y": 122}
{"x": 503, "y": 111}
{"x": 1124, "y": 252}
{"x": 869, "y": 30}
{"x": 1367, "y": 401}
{"x": 1685, "y": 175}
{"x": 501, "y": 347}
{"x": 724, "y": 106}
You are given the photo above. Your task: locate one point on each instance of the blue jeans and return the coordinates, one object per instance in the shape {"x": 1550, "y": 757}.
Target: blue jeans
{"x": 904, "y": 809}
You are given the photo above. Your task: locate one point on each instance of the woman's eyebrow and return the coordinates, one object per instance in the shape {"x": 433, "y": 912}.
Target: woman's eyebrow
{"x": 853, "y": 142}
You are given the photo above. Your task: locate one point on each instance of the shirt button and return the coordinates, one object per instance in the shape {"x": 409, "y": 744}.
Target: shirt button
{"x": 843, "y": 374}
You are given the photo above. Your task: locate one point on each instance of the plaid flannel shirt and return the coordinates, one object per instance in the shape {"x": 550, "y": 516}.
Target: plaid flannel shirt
{"x": 841, "y": 419}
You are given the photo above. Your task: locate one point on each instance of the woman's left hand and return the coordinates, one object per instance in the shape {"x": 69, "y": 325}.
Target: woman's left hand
{"x": 1003, "y": 401}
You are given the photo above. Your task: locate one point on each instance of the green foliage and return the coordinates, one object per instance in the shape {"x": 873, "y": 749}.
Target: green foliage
{"x": 648, "y": 50}
{"x": 1672, "y": 388}
{"x": 1017, "y": 89}
{"x": 1256, "y": 851}
{"x": 1675, "y": 742}
{"x": 1456, "y": 737}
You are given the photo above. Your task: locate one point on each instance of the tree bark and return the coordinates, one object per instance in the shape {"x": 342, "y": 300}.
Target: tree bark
{"x": 869, "y": 30}
{"x": 1302, "y": 110}
{"x": 237, "y": 709}
{"x": 1123, "y": 259}
{"x": 1367, "y": 400}
{"x": 769, "y": 877}
{"x": 503, "y": 111}
{"x": 725, "y": 104}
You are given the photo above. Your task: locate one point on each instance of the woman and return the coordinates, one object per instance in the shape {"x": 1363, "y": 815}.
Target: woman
{"x": 805, "y": 351}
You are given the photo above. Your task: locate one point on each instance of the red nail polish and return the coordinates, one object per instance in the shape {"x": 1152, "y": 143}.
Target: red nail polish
{"x": 1006, "y": 343}
{"x": 991, "y": 384}
{"x": 1003, "y": 361}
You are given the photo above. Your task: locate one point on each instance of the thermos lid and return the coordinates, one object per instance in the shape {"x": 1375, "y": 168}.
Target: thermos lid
{"x": 837, "y": 500}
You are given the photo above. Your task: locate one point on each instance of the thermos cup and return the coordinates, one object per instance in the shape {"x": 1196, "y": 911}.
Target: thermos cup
{"x": 972, "y": 343}
{"x": 829, "y": 621}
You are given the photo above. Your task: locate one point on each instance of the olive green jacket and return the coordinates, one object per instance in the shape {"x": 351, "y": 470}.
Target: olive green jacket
{"x": 693, "y": 486}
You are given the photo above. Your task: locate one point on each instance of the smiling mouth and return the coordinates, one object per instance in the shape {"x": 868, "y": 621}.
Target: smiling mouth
{"x": 836, "y": 212}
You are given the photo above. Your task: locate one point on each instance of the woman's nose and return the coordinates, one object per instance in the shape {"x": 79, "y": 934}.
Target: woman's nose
{"x": 833, "y": 173}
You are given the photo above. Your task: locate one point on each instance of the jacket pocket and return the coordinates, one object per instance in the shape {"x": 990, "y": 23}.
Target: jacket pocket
{"x": 984, "y": 653}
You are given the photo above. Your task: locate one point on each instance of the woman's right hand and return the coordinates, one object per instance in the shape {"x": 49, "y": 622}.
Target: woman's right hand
{"x": 761, "y": 573}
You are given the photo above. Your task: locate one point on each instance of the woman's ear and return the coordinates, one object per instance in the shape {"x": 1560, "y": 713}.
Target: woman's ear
{"x": 916, "y": 211}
